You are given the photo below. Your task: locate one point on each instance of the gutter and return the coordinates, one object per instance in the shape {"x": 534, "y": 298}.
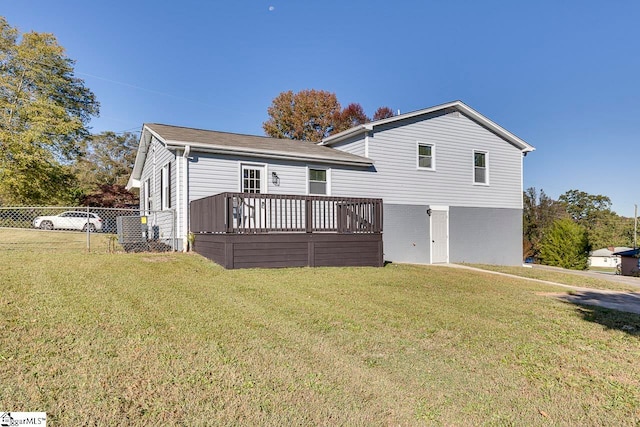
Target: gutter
{"x": 278, "y": 156}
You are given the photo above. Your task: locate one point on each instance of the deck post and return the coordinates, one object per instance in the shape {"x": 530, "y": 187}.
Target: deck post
{"x": 308, "y": 211}
{"x": 378, "y": 216}
{"x": 229, "y": 208}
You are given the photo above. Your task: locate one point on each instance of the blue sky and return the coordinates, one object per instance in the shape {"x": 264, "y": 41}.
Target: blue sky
{"x": 562, "y": 75}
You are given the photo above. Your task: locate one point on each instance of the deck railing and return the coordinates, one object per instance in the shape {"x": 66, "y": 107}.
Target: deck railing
{"x": 278, "y": 213}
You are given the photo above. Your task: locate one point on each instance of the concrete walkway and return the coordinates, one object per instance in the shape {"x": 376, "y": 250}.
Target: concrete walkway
{"x": 602, "y": 275}
{"x": 621, "y": 301}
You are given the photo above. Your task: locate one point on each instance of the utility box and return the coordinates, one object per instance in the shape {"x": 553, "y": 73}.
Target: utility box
{"x": 132, "y": 233}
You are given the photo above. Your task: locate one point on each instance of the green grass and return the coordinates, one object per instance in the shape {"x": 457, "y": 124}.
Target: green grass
{"x": 559, "y": 277}
{"x": 611, "y": 270}
{"x": 142, "y": 339}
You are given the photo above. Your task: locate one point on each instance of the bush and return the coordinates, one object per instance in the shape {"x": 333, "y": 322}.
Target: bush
{"x": 565, "y": 244}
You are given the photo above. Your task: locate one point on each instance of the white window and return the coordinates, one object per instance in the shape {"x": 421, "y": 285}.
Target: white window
{"x": 165, "y": 187}
{"x": 147, "y": 195}
{"x": 480, "y": 167}
{"x": 426, "y": 156}
{"x": 318, "y": 181}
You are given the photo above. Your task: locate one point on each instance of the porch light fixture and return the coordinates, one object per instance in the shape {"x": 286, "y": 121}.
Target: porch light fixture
{"x": 275, "y": 178}
{"x": 429, "y": 211}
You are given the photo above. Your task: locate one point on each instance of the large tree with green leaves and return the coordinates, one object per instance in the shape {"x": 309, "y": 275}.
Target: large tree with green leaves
{"x": 44, "y": 112}
{"x": 584, "y": 207}
{"x": 593, "y": 212}
{"x": 107, "y": 159}
{"x": 539, "y": 213}
{"x": 104, "y": 169}
{"x": 565, "y": 244}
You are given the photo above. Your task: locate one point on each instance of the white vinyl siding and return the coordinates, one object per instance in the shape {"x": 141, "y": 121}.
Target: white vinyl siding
{"x": 157, "y": 157}
{"x": 211, "y": 174}
{"x": 395, "y": 179}
{"x": 354, "y": 145}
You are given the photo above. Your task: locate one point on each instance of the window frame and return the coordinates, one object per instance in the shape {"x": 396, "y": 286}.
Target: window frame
{"x": 433, "y": 155}
{"x": 264, "y": 173}
{"x": 147, "y": 195}
{"x": 327, "y": 177}
{"x": 486, "y": 167}
{"x": 165, "y": 187}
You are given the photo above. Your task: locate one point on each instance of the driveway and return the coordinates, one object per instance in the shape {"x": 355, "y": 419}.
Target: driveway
{"x": 621, "y": 301}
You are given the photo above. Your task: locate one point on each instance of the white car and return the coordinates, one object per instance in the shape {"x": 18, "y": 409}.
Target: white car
{"x": 70, "y": 220}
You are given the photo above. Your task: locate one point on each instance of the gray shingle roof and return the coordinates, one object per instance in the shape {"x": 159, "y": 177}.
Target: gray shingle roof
{"x": 254, "y": 146}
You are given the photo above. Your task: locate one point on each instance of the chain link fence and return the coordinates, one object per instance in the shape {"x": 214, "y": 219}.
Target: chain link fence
{"x": 87, "y": 228}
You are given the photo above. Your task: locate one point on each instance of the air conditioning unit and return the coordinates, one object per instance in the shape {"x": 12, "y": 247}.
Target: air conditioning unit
{"x": 132, "y": 233}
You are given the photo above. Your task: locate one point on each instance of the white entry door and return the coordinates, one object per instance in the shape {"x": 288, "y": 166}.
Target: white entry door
{"x": 439, "y": 235}
{"x": 253, "y": 182}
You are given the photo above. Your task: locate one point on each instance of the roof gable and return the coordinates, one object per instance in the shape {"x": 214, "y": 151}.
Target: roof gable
{"x": 455, "y": 105}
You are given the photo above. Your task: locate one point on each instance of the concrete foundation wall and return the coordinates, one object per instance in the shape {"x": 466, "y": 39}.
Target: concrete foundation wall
{"x": 485, "y": 235}
{"x": 406, "y": 234}
{"x": 476, "y": 235}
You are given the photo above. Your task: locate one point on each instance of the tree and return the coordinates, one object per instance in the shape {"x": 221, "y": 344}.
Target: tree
{"x": 566, "y": 245}
{"x": 44, "y": 112}
{"x": 311, "y": 115}
{"x": 383, "y": 113}
{"x": 539, "y": 212}
{"x": 110, "y": 196}
{"x": 352, "y": 115}
{"x": 307, "y": 115}
{"x": 604, "y": 227}
{"x": 104, "y": 169}
{"x": 585, "y": 207}
{"x": 107, "y": 159}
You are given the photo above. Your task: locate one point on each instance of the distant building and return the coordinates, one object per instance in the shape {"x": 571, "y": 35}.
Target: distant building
{"x": 630, "y": 262}
{"x": 606, "y": 257}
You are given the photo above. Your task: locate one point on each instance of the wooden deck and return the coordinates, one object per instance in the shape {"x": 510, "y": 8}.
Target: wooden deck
{"x": 240, "y": 230}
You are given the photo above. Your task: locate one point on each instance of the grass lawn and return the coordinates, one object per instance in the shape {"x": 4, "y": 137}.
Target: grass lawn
{"x": 155, "y": 339}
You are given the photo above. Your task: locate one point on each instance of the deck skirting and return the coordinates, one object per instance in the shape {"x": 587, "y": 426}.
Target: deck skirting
{"x": 291, "y": 249}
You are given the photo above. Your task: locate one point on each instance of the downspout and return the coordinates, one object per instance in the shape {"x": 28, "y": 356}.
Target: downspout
{"x": 154, "y": 197}
{"x": 185, "y": 205}
{"x": 178, "y": 225}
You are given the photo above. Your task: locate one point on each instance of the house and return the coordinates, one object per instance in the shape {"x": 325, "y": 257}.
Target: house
{"x": 629, "y": 262}
{"x": 450, "y": 179}
{"x": 605, "y": 257}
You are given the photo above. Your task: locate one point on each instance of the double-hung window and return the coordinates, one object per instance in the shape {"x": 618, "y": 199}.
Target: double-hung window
{"x": 318, "y": 181}
{"x": 480, "y": 167}
{"x": 147, "y": 195}
{"x": 165, "y": 187}
{"x": 426, "y": 156}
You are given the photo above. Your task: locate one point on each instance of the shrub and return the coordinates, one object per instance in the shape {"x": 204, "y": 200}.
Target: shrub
{"x": 565, "y": 244}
